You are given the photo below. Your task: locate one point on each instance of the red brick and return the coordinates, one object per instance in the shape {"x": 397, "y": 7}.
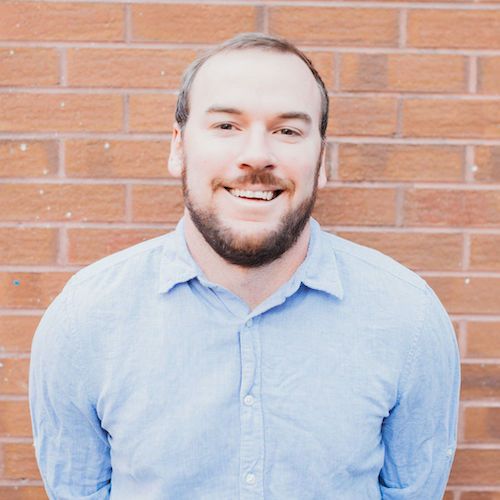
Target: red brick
{"x": 488, "y": 164}
{"x": 152, "y": 112}
{"x": 483, "y": 339}
{"x": 443, "y": 207}
{"x": 488, "y": 75}
{"x": 473, "y": 29}
{"x": 482, "y": 424}
{"x": 30, "y": 290}
{"x": 476, "y": 467}
{"x": 19, "y": 461}
{"x": 400, "y": 162}
{"x": 24, "y": 245}
{"x": 403, "y": 73}
{"x": 60, "y": 113}
{"x": 418, "y": 251}
{"x": 23, "y": 493}
{"x": 323, "y": 62}
{"x": 485, "y": 252}
{"x": 157, "y": 203}
{"x": 29, "y": 67}
{"x": 357, "y": 206}
{"x": 88, "y": 245}
{"x": 362, "y": 116}
{"x": 14, "y": 376}
{"x": 480, "y": 495}
{"x": 451, "y": 118}
{"x": 28, "y": 158}
{"x": 127, "y": 67}
{"x": 480, "y": 381}
{"x": 115, "y": 159}
{"x": 61, "y": 21}
{"x": 196, "y": 23}
{"x": 336, "y": 26}
{"x": 448, "y": 495}
{"x": 56, "y": 202}
{"x": 15, "y": 419}
{"x": 467, "y": 295}
{"x": 16, "y": 333}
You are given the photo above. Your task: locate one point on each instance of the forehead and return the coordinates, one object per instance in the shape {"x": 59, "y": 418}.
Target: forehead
{"x": 256, "y": 80}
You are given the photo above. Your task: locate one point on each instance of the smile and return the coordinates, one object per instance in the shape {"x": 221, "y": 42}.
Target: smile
{"x": 254, "y": 195}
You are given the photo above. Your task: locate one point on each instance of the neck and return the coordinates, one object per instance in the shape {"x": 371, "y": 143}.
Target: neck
{"x": 255, "y": 284}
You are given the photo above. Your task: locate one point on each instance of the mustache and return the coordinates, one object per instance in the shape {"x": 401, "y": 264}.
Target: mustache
{"x": 257, "y": 177}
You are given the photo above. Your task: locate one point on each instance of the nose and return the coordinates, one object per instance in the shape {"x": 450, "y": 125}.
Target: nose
{"x": 256, "y": 152}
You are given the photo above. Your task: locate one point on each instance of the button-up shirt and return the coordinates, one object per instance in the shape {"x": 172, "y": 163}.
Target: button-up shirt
{"x": 149, "y": 382}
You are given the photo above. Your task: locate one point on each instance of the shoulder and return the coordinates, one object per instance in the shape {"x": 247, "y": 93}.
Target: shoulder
{"x": 127, "y": 262}
{"x": 369, "y": 265}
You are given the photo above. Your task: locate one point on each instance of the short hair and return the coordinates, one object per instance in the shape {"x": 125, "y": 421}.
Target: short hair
{"x": 241, "y": 42}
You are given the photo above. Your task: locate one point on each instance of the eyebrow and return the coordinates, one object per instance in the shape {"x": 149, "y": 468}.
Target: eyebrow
{"x": 291, "y": 115}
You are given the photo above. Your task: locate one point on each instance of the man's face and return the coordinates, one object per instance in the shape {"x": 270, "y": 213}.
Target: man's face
{"x": 250, "y": 155}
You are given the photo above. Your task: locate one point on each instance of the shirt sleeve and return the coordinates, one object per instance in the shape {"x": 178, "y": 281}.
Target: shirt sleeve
{"x": 71, "y": 447}
{"x": 419, "y": 434}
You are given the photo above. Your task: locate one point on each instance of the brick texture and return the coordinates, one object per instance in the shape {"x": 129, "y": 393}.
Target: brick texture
{"x": 15, "y": 419}
{"x": 19, "y": 461}
{"x": 418, "y": 251}
{"x": 29, "y": 67}
{"x": 152, "y": 112}
{"x": 432, "y": 207}
{"x": 487, "y": 164}
{"x": 64, "y": 112}
{"x": 88, "y": 245}
{"x": 483, "y": 339}
{"x": 476, "y": 467}
{"x": 341, "y": 27}
{"x": 191, "y": 23}
{"x": 482, "y": 424}
{"x": 61, "y": 21}
{"x": 127, "y": 68}
{"x": 87, "y": 101}
{"x": 480, "y": 381}
{"x": 388, "y": 162}
{"x": 471, "y": 29}
{"x": 360, "y": 116}
{"x": 403, "y": 73}
{"x": 451, "y": 118}
{"x": 476, "y": 295}
{"x": 49, "y": 202}
{"x": 28, "y": 158}
{"x": 114, "y": 159}
{"x": 16, "y": 333}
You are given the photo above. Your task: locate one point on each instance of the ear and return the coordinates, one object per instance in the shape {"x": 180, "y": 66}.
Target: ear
{"x": 176, "y": 157}
{"x": 322, "y": 168}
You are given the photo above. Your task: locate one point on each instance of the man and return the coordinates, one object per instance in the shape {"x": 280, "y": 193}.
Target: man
{"x": 248, "y": 354}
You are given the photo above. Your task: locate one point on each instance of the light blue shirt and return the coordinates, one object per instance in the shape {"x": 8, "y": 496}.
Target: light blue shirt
{"x": 149, "y": 382}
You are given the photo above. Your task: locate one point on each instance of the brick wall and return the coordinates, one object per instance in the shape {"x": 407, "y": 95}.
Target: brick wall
{"x": 87, "y": 92}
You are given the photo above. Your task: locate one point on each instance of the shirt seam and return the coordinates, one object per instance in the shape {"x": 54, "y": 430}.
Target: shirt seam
{"x": 78, "y": 350}
{"x": 384, "y": 270}
{"x": 409, "y": 363}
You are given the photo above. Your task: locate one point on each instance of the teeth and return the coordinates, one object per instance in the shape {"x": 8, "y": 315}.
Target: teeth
{"x": 261, "y": 195}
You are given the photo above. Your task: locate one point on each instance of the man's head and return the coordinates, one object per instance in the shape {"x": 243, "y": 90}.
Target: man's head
{"x": 249, "y": 146}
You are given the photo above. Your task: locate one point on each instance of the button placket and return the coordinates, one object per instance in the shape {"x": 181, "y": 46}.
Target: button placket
{"x": 251, "y": 424}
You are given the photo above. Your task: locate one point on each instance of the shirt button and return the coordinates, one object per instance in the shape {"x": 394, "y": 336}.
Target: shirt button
{"x": 249, "y": 323}
{"x": 249, "y": 400}
{"x": 250, "y": 478}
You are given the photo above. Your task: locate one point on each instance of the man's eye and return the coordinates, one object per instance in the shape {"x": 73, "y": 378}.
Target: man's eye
{"x": 225, "y": 126}
{"x": 288, "y": 131}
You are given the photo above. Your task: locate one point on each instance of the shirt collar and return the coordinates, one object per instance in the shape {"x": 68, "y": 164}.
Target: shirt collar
{"x": 318, "y": 271}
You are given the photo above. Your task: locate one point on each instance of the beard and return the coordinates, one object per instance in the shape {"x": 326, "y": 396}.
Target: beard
{"x": 256, "y": 250}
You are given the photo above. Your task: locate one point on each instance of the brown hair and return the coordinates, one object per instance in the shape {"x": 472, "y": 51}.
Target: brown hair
{"x": 247, "y": 41}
